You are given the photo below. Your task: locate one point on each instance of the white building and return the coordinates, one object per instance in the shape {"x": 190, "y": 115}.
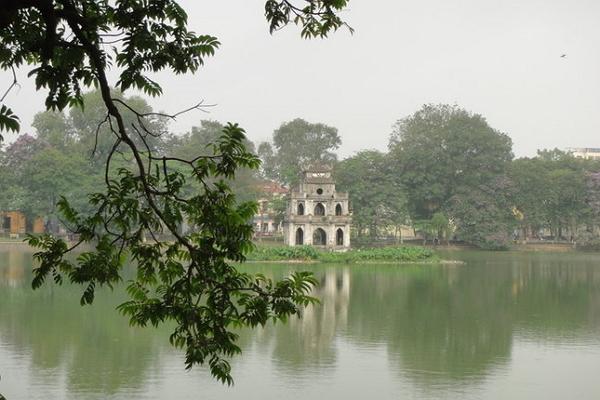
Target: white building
{"x": 317, "y": 214}
{"x": 585, "y": 152}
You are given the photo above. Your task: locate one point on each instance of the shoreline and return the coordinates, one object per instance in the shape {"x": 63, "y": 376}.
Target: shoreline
{"x": 369, "y": 262}
{"x": 521, "y": 248}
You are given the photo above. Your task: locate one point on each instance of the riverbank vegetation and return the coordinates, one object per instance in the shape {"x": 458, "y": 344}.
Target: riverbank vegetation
{"x": 403, "y": 254}
{"x": 447, "y": 174}
{"x": 451, "y": 176}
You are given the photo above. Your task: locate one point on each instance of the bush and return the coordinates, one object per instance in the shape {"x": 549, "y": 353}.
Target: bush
{"x": 396, "y": 254}
{"x": 283, "y": 253}
{"x": 587, "y": 241}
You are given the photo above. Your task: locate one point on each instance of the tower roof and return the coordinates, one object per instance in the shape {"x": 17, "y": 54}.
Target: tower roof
{"x": 317, "y": 167}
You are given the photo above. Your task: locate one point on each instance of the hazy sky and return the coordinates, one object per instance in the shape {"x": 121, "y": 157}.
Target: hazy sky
{"x": 498, "y": 58}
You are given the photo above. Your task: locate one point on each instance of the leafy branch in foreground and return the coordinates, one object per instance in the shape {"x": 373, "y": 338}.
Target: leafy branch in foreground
{"x": 72, "y": 44}
{"x": 190, "y": 280}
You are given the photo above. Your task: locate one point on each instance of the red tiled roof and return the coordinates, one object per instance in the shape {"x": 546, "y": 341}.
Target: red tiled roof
{"x": 272, "y": 188}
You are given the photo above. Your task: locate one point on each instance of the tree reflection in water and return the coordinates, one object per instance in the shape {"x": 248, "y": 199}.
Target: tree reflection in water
{"x": 439, "y": 324}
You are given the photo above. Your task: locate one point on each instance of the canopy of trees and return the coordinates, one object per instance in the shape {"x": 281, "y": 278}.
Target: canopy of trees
{"x": 449, "y": 175}
{"x": 377, "y": 198}
{"x": 297, "y": 144}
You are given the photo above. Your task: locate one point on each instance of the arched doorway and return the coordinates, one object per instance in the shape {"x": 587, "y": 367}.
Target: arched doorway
{"x": 338, "y": 209}
{"x": 319, "y": 237}
{"x": 339, "y": 237}
{"x": 299, "y": 236}
{"x": 319, "y": 209}
{"x": 300, "y": 209}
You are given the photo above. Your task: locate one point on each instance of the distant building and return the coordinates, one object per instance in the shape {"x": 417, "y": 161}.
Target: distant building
{"x": 592, "y": 153}
{"x": 317, "y": 214}
{"x": 266, "y": 222}
{"x": 14, "y": 223}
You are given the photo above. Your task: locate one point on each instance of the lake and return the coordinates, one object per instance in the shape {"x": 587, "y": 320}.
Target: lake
{"x": 501, "y": 326}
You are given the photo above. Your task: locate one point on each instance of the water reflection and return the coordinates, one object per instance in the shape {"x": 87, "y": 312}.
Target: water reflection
{"x": 96, "y": 347}
{"x": 439, "y": 325}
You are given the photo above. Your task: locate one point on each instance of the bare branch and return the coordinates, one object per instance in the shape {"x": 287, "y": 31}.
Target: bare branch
{"x": 200, "y": 106}
{"x": 97, "y": 132}
{"x": 12, "y": 85}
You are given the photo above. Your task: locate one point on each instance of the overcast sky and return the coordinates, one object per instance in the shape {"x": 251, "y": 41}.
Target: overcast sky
{"x": 498, "y": 58}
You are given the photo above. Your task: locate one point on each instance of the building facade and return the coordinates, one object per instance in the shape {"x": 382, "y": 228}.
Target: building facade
{"x": 267, "y": 221}
{"x": 317, "y": 214}
{"x": 591, "y": 153}
{"x": 13, "y": 222}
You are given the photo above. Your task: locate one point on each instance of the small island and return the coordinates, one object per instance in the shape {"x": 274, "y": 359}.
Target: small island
{"x": 309, "y": 254}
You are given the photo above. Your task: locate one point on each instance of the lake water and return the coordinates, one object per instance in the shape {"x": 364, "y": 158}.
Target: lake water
{"x": 501, "y": 326}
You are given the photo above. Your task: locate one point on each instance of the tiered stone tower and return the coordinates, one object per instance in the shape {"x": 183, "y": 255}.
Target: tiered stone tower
{"x": 317, "y": 215}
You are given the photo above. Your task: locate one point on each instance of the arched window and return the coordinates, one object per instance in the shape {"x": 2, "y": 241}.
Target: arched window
{"x": 299, "y": 236}
{"x": 339, "y": 237}
{"x": 319, "y": 209}
{"x": 319, "y": 237}
{"x": 300, "y": 209}
{"x": 338, "y": 209}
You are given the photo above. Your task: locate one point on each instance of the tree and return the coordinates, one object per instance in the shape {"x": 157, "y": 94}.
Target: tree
{"x": 296, "y": 144}
{"x": 449, "y": 160}
{"x": 551, "y": 191}
{"x": 50, "y": 174}
{"x": 441, "y": 226}
{"x": 268, "y": 157}
{"x": 278, "y": 205}
{"x": 71, "y": 44}
{"x": 441, "y": 149}
{"x": 378, "y": 200}
{"x": 54, "y": 128}
{"x": 198, "y": 142}
{"x": 483, "y": 215}
{"x": 13, "y": 161}
{"x": 529, "y": 175}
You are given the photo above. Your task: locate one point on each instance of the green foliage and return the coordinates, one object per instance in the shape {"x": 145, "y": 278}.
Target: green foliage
{"x": 440, "y": 149}
{"x": 377, "y": 198}
{"x": 317, "y": 18}
{"x": 70, "y": 45}
{"x": 552, "y": 191}
{"x": 450, "y": 161}
{"x": 189, "y": 281}
{"x": 261, "y": 253}
{"x": 198, "y": 142}
{"x": 483, "y": 214}
{"x": 8, "y": 121}
{"x": 296, "y": 144}
{"x": 438, "y": 227}
{"x": 309, "y": 253}
{"x": 278, "y": 205}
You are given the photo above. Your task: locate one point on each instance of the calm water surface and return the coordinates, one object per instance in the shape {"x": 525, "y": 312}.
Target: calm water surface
{"x": 502, "y": 326}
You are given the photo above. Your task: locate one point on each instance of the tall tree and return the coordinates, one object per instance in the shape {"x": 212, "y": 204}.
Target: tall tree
{"x": 442, "y": 148}
{"x": 199, "y": 142}
{"x": 449, "y": 159}
{"x": 483, "y": 214}
{"x": 295, "y": 145}
{"x": 551, "y": 192}
{"x": 54, "y": 128}
{"x": 378, "y": 201}
{"x": 71, "y": 44}
{"x": 530, "y": 178}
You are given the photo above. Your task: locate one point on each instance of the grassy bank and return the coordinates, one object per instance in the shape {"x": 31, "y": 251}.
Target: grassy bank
{"x": 403, "y": 254}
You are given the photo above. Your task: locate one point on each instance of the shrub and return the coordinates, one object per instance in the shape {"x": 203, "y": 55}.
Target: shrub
{"x": 397, "y": 254}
